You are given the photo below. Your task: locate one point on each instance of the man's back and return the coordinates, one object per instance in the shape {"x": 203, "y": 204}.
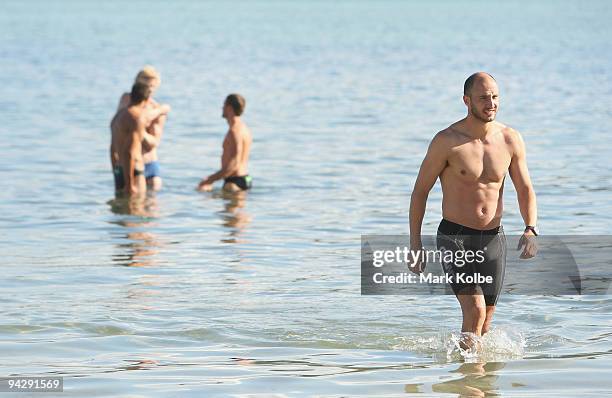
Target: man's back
{"x": 119, "y": 126}
{"x": 123, "y": 124}
{"x": 243, "y": 157}
{"x": 126, "y": 151}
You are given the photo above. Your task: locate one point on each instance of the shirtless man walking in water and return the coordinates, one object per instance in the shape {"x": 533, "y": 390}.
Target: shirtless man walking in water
{"x": 471, "y": 158}
{"x": 236, "y": 150}
{"x": 128, "y": 128}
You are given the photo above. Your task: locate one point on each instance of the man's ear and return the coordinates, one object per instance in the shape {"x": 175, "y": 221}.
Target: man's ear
{"x": 466, "y": 100}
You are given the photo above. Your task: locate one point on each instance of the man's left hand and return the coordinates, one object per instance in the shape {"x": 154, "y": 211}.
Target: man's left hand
{"x": 529, "y": 244}
{"x": 205, "y": 186}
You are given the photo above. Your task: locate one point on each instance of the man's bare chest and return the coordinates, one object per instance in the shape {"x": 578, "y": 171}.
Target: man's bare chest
{"x": 479, "y": 162}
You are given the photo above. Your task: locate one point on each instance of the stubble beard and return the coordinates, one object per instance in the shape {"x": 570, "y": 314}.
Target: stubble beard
{"x": 485, "y": 119}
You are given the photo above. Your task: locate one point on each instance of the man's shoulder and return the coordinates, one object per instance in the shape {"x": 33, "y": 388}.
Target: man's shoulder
{"x": 238, "y": 130}
{"x": 131, "y": 118}
{"x": 124, "y": 101}
{"x": 446, "y": 136}
{"x": 119, "y": 116}
{"x": 511, "y": 136}
{"x": 441, "y": 143}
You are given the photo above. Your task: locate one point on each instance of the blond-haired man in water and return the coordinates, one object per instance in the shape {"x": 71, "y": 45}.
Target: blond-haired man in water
{"x": 156, "y": 115}
{"x": 236, "y": 150}
{"x": 471, "y": 158}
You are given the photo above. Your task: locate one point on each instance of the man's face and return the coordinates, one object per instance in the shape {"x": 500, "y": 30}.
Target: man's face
{"x": 153, "y": 90}
{"x": 483, "y": 101}
{"x": 226, "y": 111}
{"x": 153, "y": 85}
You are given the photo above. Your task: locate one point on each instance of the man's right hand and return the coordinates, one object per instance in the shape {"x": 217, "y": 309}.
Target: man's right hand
{"x": 205, "y": 186}
{"x": 165, "y": 109}
{"x": 130, "y": 190}
{"x": 417, "y": 266}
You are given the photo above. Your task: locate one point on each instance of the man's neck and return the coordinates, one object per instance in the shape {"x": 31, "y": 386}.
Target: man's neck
{"x": 139, "y": 105}
{"x": 477, "y": 128}
{"x": 233, "y": 120}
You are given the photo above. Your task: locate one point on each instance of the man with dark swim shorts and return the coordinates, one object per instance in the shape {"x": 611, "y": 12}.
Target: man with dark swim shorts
{"x": 488, "y": 260}
{"x": 128, "y": 128}
{"x": 471, "y": 158}
{"x": 236, "y": 150}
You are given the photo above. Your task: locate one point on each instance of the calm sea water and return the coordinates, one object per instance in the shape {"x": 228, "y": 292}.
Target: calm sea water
{"x": 205, "y": 295}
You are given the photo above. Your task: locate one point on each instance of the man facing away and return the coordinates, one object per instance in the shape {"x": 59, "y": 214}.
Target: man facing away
{"x": 471, "y": 158}
{"x": 128, "y": 128}
{"x": 236, "y": 149}
{"x": 156, "y": 119}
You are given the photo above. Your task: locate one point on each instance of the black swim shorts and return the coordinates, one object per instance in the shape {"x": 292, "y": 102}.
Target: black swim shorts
{"x": 243, "y": 182}
{"x": 488, "y": 259}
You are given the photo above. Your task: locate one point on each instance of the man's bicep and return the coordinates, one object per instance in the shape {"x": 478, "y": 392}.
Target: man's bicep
{"x": 518, "y": 166}
{"x": 432, "y": 166}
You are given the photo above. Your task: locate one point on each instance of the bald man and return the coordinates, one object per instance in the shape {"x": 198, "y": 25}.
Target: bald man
{"x": 471, "y": 158}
